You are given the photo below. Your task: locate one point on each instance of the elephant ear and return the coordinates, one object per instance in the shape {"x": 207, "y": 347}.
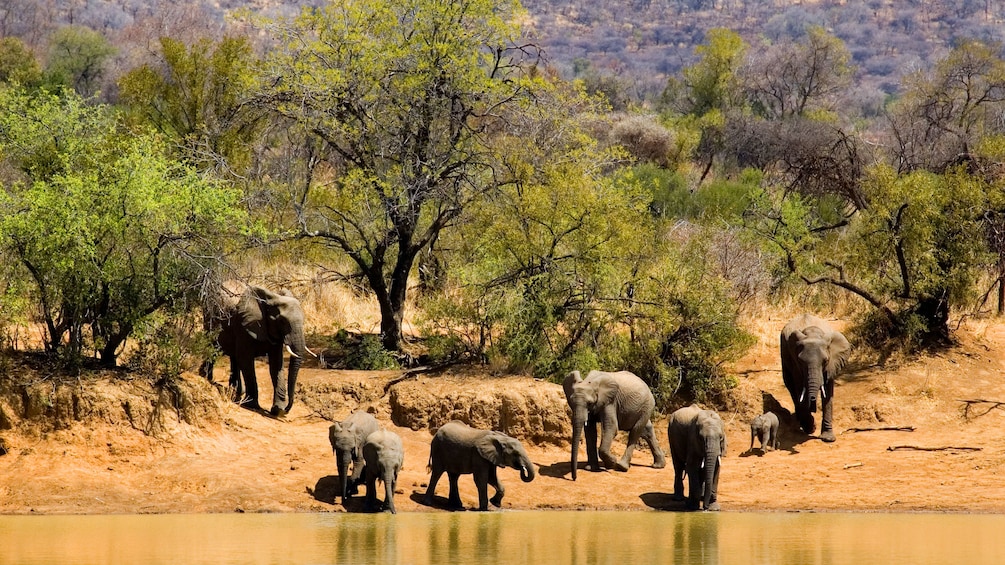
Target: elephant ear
{"x": 249, "y": 314}
{"x": 607, "y": 391}
{"x": 490, "y": 447}
{"x": 569, "y": 384}
{"x": 839, "y": 351}
{"x": 332, "y": 430}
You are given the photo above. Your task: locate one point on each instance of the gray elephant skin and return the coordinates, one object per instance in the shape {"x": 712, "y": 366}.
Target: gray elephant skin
{"x": 765, "y": 429}
{"x": 347, "y": 438}
{"x": 812, "y": 355}
{"x": 459, "y": 449}
{"x": 616, "y": 401}
{"x": 383, "y": 456}
{"x": 697, "y": 444}
{"x": 254, "y": 322}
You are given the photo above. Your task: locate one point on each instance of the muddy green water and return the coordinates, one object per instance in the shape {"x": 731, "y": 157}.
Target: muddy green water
{"x": 554, "y": 538}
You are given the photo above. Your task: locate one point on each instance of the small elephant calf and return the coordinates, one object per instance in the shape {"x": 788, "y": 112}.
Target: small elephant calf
{"x": 765, "y": 428}
{"x": 384, "y": 457}
{"x": 458, "y": 449}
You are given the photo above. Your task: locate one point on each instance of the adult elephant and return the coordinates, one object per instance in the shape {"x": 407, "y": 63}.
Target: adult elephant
{"x": 616, "y": 401}
{"x": 459, "y": 449}
{"x": 697, "y": 444}
{"x": 812, "y": 354}
{"x": 254, "y": 322}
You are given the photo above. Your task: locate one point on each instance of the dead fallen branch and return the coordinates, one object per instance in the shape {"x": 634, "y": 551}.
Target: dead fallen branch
{"x": 920, "y": 448}
{"x": 852, "y": 465}
{"x": 883, "y": 429}
{"x": 968, "y": 404}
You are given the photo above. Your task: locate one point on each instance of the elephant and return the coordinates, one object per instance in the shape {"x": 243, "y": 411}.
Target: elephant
{"x": 812, "y": 354}
{"x": 697, "y": 444}
{"x": 347, "y": 438}
{"x": 616, "y": 401}
{"x": 252, "y": 322}
{"x": 459, "y": 449}
{"x": 765, "y": 428}
{"x": 384, "y": 456}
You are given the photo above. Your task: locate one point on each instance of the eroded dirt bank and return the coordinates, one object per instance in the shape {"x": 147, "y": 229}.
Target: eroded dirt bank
{"x": 127, "y": 447}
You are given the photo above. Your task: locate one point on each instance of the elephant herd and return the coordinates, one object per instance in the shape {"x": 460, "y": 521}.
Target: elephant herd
{"x": 456, "y": 449}
{"x": 252, "y": 322}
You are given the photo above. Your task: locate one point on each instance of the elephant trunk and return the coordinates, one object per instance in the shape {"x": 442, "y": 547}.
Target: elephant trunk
{"x": 527, "y": 472}
{"x": 282, "y": 400}
{"x": 711, "y": 462}
{"x": 578, "y": 423}
{"x": 814, "y": 385}
{"x": 343, "y": 458}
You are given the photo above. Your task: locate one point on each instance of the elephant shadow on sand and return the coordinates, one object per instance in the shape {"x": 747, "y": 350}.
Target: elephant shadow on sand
{"x": 328, "y": 490}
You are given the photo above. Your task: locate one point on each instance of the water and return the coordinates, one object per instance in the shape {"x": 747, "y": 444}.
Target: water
{"x": 556, "y": 538}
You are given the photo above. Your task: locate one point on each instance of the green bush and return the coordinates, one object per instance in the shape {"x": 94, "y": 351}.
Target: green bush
{"x": 672, "y": 197}
{"x": 363, "y": 352}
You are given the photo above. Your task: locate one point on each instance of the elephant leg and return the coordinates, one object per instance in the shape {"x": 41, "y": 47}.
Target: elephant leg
{"x": 694, "y": 486}
{"x": 358, "y": 468}
{"x": 454, "y": 500}
{"x": 678, "y": 481}
{"x": 649, "y": 435}
{"x": 805, "y": 418}
{"x": 633, "y": 439}
{"x": 433, "y": 479}
{"x": 279, "y": 400}
{"x": 246, "y": 391}
{"x": 481, "y": 477}
{"x": 496, "y": 499}
{"x": 592, "y": 462}
{"x": 609, "y": 427}
{"x": 371, "y": 492}
{"x": 826, "y": 418}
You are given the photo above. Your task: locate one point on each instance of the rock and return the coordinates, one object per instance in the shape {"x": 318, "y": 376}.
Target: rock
{"x": 527, "y": 409}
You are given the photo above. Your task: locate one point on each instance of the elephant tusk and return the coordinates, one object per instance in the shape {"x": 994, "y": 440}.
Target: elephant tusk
{"x": 823, "y": 392}
{"x": 703, "y": 463}
{"x": 292, "y": 354}
{"x": 802, "y": 396}
{"x": 316, "y": 356}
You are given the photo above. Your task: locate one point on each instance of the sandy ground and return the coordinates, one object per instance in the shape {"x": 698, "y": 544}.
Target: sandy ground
{"x": 951, "y": 462}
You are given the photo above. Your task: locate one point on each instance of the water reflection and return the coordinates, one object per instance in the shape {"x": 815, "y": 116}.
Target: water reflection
{"x": 580, "y": 538}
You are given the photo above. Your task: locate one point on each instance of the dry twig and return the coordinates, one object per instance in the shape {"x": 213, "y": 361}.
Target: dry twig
{"x": 920, "y": 448}
{"x": 883, "y": 429}
{"x": 968, "y": 404}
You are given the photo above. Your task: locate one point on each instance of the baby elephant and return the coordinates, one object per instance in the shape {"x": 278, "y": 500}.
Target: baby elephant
{"x": 765, "y": 428}
{"x": 384, "y": 457}
{"x": 459, "y": 449}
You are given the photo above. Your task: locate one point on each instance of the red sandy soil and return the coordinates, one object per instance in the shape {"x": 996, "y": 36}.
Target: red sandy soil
{"x": 248, "y": 462}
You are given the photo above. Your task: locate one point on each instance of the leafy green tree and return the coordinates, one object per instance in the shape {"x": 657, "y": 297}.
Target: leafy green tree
{"x": 103, "y": 225}
{"x": 568, "y": 269}
{"x": 913, "y": 254}
{"x": 944, "y": 113}
{"x": 77, "y": 58}
{"x": 197, "y": 97}
{"x": 405, "y": 99}
{"x": 18, "y": 64}
{"x": 711, "y": 83}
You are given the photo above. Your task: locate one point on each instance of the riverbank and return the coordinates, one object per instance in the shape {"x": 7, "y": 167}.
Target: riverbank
{"x": 244, "y": 461}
